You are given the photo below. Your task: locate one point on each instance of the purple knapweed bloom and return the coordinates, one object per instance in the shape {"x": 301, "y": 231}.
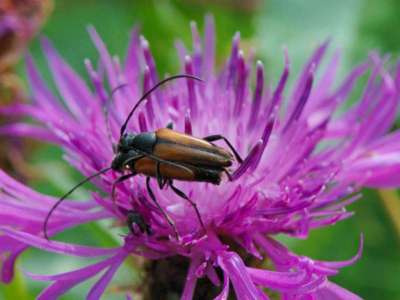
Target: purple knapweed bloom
{"x": 305, "y": 160}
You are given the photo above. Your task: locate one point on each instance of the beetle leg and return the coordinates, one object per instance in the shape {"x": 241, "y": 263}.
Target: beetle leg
{"x": 164, "y": 183}
{"x": 170, "y": 222}
{"x": 216, "y": 137}
{"x": 170, "y": 125}
{"x": 228, "y": 174}
{"x": 192, "y": 203}
{"x": 158, "y": 176}
{"x": 114, "y": 187}
{"x": 161, "y": 181}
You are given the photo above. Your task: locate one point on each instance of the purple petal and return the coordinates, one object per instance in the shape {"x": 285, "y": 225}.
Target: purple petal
{"x": 240, "y": 88}
{"x": 192, "y": 99}
{"x": 278, "y": 280}
{"x": 132, "y": 67}
{"x": 345, "y": 263}
{"x": 105, "y": 56}
{"x": 191, "y": 280}
{"x": 71, "y": 87}
{"x": 57, "y": 289}
{"x": 68, "y": 280}
{"x": 277, "y": 95}
{"x": 232, "y": 60}
{"x": 265, "y": 138}
{"x": 298, "y": 108}
{"x": 98, "y": 289}
{"x": 209, "y": 47}
{"x": 225, "y": 289}
{"x": 57, "y": 247}
{"x": 80, "y": 274}
{"x": 331, "y": 291}
{"x": 312, "y": 63}
{"x": 8, "y": 265}
{"x": 29, "y": 130}
{"x": 41, "y": 93}
{"x": 233, "y": 266}
{"x": 257, "y": 95}
{"x": 249, "y": 161}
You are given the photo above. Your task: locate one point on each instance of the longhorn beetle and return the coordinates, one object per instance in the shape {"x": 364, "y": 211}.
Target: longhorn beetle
{"x": 166, "y": 155}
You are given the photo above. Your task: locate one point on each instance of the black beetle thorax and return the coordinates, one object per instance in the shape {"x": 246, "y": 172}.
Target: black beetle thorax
{"x": 144, "y": 142}
{"x": 125, "y": 143}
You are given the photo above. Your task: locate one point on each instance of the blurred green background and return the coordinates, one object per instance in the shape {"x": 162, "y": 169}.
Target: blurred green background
{"x": 355, "y": 26}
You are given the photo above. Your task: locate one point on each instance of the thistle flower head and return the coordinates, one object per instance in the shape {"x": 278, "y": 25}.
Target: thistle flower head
{"x": 305, "y": 159}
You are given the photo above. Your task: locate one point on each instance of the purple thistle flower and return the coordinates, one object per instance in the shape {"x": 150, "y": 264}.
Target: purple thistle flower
{"x": 305, "y": 161}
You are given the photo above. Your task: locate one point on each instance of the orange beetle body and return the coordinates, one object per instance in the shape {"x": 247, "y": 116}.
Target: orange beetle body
{"x": 174, "y": 155}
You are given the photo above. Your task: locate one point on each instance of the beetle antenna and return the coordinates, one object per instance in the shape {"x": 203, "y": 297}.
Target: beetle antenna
{"x": 53, "y": 208}
{"x": 107, "y": 111}
{"x": 146, "y": 94}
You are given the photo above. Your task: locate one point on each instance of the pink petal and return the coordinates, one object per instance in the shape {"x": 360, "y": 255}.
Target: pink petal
{"x": 331, "y": 291}
{"x": 233, "y": 266}
{"x": 57, "y": 247}
{"x": 98, "y": 289}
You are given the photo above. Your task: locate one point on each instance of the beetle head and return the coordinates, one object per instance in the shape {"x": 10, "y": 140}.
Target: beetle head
{"x": 123, "y": 160}
{"x": 125, "y": 151}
